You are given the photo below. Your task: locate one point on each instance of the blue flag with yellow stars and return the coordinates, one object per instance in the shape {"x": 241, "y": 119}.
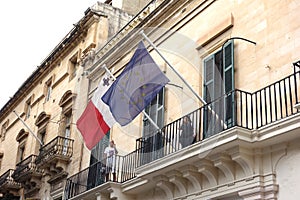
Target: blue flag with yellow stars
{"x": 133, "y": 90}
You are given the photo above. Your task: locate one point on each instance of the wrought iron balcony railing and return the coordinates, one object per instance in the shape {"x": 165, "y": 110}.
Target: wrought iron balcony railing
{"x": 109, "y": 169}
{"x": 236, "y": 108}
{"x": 7, "y": 181}
{"x": 26, "y": 169}
{"x": 58, "y": 147}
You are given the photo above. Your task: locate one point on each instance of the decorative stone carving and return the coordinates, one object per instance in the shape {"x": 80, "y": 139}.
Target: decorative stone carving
{"x": 208, "y": 169}
{"x": 266, "y": 190}
{"x": 163, "y": 183}
{"x": 225, "y": 164}
{"x": 88, "y": 58}
{"x": 191, "y": 173}
{"x": 244, "y": 158}
{"x": 176, "y": 178}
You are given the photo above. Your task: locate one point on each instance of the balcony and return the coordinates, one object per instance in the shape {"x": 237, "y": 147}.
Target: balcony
{"x": 58, "y": 150}
{"x": 98, "y": 174}
{"x": 8, "y": 186}
{"x": 249, "y": 111}
{"x": 29, "y": 175}
{"x": 54, "y": 158}
{"x": 228, "y": 125}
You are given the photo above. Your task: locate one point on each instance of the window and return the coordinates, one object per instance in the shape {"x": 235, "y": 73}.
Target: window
{"x": 98, "y": 150}
{"x": 96, "y": 175}
{"x": 1, "y": 158}
{"x": 156, "y": 112}
{"x": 42, "y": 136}
{"x": 4, "y": 130}
{"x": 48, "y": 88}
{"x": 21, "y": 153}
{"x": 109, "y": 2}
{"x": 21, "y": 139}
{"x": 67, "y": 131}
{"x": 66, "y": 103}
{"x": 153, "y": 140}
{"x": 27, "y": 108}
{"x": 68, "y": 124}
{"x": 72, "y": 67}
{"x": 41, "y": 122}
{"x": 218, "y": 81}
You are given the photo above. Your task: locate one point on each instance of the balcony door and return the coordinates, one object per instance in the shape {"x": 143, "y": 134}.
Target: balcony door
{"x": 218, "y": 80}
{"x": 152, "y": 143}
{"x": 156, "y": 112}
{"x": 96, "y": 173}
{"x": 67, "y": 134}
{"x": 97, "y": 153}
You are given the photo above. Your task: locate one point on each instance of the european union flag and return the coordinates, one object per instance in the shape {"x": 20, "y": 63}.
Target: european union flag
{"x": 135, "y": 88}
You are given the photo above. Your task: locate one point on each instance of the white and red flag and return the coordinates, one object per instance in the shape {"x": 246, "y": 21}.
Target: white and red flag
{"x": 96, "y": 120}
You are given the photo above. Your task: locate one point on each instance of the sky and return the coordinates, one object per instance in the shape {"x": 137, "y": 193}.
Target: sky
{"x": 29, "y": 32}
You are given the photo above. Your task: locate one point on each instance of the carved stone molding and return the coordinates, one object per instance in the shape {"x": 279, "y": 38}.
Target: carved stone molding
{"x": 178, "y": 180}
{"x": 88, "y": 58}
{"x": 191, "y": 173}
{"x": 163, "y": 183}
{"x": 207, "y": 168}
{"x": 266, "y": 190}
{"x": 244, "y": 158}
{"x": 225, "y": 164}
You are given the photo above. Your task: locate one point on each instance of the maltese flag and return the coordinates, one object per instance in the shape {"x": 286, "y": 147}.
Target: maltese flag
{"x": 96, "y": 120}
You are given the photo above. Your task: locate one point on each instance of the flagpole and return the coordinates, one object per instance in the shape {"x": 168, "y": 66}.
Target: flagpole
{"x": 146, "y": 115}
{"x": 170, "y": 65}
{"x": 178, "y": 74}
{"x": 38, "y": 139}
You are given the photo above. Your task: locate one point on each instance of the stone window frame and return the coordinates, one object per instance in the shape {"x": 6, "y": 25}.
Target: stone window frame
{"x": 73, "y": 64}
{"x": 66, "y": 103}
{"x": 28, "y": 106}
{"x": 41, "y": 122}
{"x": 4, "y": 129}
{"x": 21, "y": 139}
{"x": 48, "y": 89}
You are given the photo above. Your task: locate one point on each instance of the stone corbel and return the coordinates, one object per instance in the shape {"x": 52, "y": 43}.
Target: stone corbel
{"x": 207, "y": 168}
{"x": 88, "y": 58}
{"x": 191, "y": 173}
{"x": 176, "y": 178}
{"x": 53, "y": 169}
{"x": 117, "y": 194}
{"x": 61, "y": 165}
{"x": 225, "y": 164}
{"x": 163, "y": 183}
{"x": 102, "y": 196}
{"x": 278, "y": 152}
{"x": 244, "y": 158}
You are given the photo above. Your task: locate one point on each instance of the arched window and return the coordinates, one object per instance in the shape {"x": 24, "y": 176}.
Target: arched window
{"x": 21, "y": 139}
{"x": 42, "y": 122}
{"x": 4, "y": 130}
{"x": 66, "y": 103}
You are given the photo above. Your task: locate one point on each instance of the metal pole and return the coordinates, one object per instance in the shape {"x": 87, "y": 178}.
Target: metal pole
{"x": 38, "y": 139}
{"x": 184, "y": 81}
{"x": 148, "y": 117}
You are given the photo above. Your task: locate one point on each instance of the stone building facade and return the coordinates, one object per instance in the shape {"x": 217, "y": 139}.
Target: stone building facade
{"x": 241, "y": 60}
{"x": 239, "y": 65}
{"x": 39, "y": 154}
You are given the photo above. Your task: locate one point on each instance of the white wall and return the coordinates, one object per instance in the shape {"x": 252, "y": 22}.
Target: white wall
{"x": 288, "y": 176}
